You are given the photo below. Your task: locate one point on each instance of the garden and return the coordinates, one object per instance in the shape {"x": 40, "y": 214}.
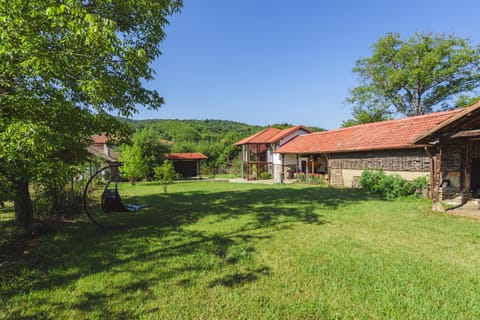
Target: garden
{"x": 246, "y": 251}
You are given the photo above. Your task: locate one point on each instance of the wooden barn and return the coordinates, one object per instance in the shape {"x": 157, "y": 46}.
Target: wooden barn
{"x": 187, "y": 165}
{"x": 445, "y": 146}
{"x": 454, "y": 150}
{"x": 387, "y": 145}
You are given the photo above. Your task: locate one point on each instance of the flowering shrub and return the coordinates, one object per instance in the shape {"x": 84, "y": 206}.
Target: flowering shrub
{"x": 311, "y": 178}
{"x": 390, "y": 186}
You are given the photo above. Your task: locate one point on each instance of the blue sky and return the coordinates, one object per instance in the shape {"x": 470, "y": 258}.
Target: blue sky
{"x": 274, "y": 61}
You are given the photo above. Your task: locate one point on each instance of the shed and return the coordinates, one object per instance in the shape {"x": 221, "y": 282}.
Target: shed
{"x": 187, "y": 164}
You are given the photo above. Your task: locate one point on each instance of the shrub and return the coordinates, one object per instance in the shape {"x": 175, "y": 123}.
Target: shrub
{"x": 301, "y": 177}
{"x": 311, "y": 178}
{"x": 207, "y": 171}
{"x": 390, "y": 186}
{"x": 165, "y": 174}
{"x": 56, "y": 191}
{"x": 265, "y": 175}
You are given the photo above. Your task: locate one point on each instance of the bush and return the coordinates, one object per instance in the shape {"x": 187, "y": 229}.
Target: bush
{"x": 390, "y": 186}
{"x": 207, "y": 171}
{"x": 56, "y": 191}
{"x": 265, "y": 175}
{"x": 311, "y": 178}
{"x": 165, "y": 174}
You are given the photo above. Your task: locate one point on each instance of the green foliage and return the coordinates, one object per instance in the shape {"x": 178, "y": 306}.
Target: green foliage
{"x": 414, "y": 76}
{"x": 390, "y": 186}
{"x": 265, "y": 251}
{"x": 207, "y": 171}
{"x": 6, "y": 191}
{"x": 135, "y": 167}
{"x": 56, "y": 191}
{"x": 361, "y": 116}
{"x": 214, "y": 138}
{"x": 265, "y": 175}
{"x": 465, "y": 101}
{"x": 310, "y": 178}
{"x": 153, "y": 149}
{"x": 64, "y": 67}
{"x": 165, "y": 173}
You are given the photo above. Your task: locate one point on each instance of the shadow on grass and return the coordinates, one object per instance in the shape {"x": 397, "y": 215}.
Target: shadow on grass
{"x": 159, "y": 234}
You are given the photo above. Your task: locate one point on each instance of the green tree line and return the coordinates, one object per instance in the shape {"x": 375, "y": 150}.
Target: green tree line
{"x": 213, "y": 138}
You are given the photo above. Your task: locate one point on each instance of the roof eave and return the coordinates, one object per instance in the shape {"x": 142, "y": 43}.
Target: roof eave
{"x": 400, "y": 147}
{"x": 430, "y": 134}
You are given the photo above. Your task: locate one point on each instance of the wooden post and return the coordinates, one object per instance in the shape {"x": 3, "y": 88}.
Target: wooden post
{"x": 282, "y": 168}
{"x": 432, "y": 165}
{"x": 327, "y": 168}
{"x": 313, "y": 165}
{"x": 467, "y": 167}
{"x": 437, "y": 181}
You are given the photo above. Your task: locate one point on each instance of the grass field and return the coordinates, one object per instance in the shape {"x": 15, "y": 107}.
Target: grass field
{"x": 210, "y": 250}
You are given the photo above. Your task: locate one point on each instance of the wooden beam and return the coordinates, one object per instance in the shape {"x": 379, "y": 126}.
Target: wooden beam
{"x": 467, "y": 167}
{"x": 437, "y": 181}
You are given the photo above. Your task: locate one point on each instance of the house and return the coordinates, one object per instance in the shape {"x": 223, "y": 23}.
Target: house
{"x": 101, "y": 149}
{"x": 445, "y": 146}
{"x": 187, "y": 164}
{"x": 258, "y": 151}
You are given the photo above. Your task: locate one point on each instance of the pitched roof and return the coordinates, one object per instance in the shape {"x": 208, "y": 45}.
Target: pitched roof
{"x": 392, "y": 134}
{"x": 460, "y": 121}
{"x": 99, "y": 151}
{"x": 270, "y": 135}
{"x": 100, "y": 139}
{"x": 186, "y": 156}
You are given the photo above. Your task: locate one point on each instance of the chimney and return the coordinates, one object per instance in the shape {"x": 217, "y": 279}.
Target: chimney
{"x": 106, "y": 150}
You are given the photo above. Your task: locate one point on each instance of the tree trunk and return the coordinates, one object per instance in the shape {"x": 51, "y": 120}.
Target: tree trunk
{"x": 23, "y": 205}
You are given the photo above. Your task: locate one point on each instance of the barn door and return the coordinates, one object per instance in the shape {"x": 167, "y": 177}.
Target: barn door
{"x": 475, "y": 177}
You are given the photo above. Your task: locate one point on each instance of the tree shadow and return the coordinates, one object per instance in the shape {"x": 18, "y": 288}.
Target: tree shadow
{"x": 261, "y": 212}
{"x": 240, "y": 278}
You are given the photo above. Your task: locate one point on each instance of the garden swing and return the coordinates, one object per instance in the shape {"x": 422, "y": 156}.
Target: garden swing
{"x": 100, "y": 204}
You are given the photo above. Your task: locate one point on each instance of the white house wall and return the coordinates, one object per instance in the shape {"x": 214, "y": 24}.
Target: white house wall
{"x": 270, "y": 157}
{"x": 289, "y": 162}
{"x": 291, "y": 136}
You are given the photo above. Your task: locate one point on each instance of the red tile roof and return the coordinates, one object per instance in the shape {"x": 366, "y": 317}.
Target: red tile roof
{"x": 100, "y": 139}
{"x": 392, "y": 134}
{"x": 186, "y": 156}
{"x": 270, "y": 135}
{"x": 464, "y": 115}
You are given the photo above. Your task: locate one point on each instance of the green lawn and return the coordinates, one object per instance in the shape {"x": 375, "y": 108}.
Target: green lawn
{"x": 212, "y": 250}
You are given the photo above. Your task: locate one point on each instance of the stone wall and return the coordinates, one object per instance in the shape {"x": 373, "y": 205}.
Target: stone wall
{"x": 345, "y": 168}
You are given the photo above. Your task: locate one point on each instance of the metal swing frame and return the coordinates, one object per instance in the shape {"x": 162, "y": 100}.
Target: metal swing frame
{"x": 111, "y": 199}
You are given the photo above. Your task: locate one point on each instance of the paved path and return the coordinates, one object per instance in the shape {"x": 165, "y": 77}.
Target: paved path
{"x": 470, "y": 209}
{"x": 267, "y": 181}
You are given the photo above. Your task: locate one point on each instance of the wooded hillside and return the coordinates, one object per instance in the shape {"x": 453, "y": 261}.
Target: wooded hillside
{"x": 214, "y": 138}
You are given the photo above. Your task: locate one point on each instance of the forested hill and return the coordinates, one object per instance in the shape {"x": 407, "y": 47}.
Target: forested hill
{"x": 214, "y": 138}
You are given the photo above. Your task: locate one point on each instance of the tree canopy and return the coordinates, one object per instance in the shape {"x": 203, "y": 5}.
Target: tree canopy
{"x": 64, "y": 67}
{"x": 422, "y": 74}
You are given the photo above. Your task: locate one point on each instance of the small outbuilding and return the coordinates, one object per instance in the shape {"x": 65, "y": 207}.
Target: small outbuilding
{"x": 187, "y": 164}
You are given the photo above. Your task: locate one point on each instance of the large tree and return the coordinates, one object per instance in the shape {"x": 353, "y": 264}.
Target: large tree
{"x": 415, "y": 76}
{"x": 65, "y": 65}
